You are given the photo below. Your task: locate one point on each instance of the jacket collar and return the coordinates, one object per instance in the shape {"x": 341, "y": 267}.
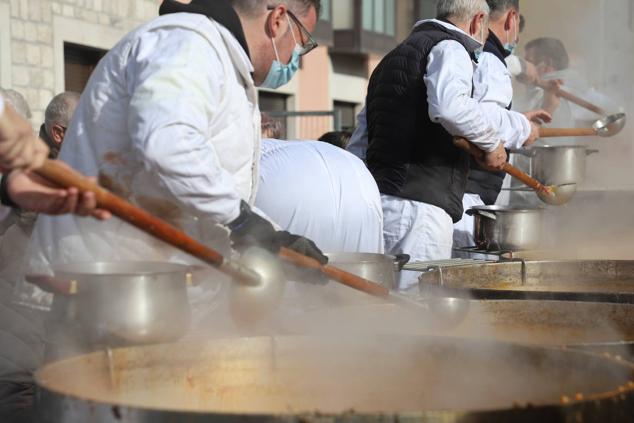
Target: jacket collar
{"x": 220, "y": 11}
{"x": 470, "y": 43}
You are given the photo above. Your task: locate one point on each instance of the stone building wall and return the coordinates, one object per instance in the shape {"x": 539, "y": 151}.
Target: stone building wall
{"x": 32, "y": 33}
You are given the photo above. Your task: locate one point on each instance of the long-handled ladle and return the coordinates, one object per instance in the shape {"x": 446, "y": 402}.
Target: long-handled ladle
{"x": 606, "y": 127}
{"x": 64, "y": 177}
{"x": 555, "y": 195}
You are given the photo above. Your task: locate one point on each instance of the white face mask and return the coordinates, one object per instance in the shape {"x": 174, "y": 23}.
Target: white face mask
{"x": 511, "y": 45}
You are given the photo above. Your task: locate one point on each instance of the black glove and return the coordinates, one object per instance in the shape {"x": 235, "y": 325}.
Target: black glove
{"x": 250, "y": 229}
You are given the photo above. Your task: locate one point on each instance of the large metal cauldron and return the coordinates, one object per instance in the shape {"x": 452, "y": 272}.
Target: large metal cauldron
{"x": 567, "y": 280}
{"x": 598, "y": 327}
{"x": 374, "y": 378}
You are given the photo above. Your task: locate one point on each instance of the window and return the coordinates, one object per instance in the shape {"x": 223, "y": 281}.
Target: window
{"x": 348, "y": 115}
{"x": 325, "y": 10}
{"x": 79, "y": 63}
{"x": 379, "y": 16}
{"x": 272, "y": 102}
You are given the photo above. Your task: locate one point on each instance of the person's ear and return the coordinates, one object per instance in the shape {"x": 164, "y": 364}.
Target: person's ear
{"x": 509, "y": 23}
{"x": 57, "y": 134}
{"x": 476, "y": 24}
{"x": 277, "y": 22}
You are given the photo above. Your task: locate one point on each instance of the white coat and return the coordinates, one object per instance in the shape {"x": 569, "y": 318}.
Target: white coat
{"x": 323, "y": 193}
{"x": 169, "y": 120}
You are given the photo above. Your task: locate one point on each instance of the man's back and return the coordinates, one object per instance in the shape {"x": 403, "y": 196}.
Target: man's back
{"x": 321, "y": 192}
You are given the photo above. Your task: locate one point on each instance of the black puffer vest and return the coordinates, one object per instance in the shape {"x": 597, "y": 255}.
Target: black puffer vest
{"x": 484, "y": 183}
{"x": 410, "y": 156}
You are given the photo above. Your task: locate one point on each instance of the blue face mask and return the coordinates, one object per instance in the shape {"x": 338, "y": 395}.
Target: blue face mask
{"x": 281, "y": 74}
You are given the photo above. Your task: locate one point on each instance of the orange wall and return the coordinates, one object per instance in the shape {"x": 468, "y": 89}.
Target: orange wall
{"x": 314, "y": 93}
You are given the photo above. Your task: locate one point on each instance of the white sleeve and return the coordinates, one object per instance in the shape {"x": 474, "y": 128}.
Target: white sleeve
{"x": 493, "y": 88}
{"x": 175, "y": 91}
{"x": 449, "y": 82}
{"x": 1, "y": 105}
{"x": 358, "y": 144}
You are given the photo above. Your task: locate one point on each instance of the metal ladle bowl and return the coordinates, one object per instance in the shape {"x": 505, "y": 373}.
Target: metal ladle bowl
{"x": 611, "y": 125}
{"x": 250, "y": 303}
{"x": 558, "y": 195}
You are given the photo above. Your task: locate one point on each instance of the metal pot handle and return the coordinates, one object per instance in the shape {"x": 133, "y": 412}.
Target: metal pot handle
{"x": 523, "y": 152}
{"x": 473, "y": 212}
{"x": 53, "y": 285}
{"x": 401, "y": 260}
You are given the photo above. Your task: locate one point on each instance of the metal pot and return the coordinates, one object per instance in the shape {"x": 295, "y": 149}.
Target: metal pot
{"x": 382, "y": 378}
{"x": 380, "y": 268}
{"x": 557, "y": 165}
{"x": 118, "y": 303}
{"x": 499, "y": 228}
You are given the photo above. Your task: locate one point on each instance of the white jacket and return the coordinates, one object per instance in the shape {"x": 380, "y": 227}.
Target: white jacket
{"x": 322, "y": 192}
{"x": 169, "y": 120}
{"x": 493, "y": 88}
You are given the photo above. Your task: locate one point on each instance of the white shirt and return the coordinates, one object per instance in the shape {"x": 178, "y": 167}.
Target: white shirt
{"x": 449, "y": 81}
{"x": 322, "y": 192}
{"x": 169, "y": 120}
{"x": 493, "y": 88}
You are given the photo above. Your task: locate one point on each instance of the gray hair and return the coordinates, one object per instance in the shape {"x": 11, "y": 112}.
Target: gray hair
{"x": 17, "y": 102}
{"x": 500, "y": 7}
{"x": 461, "y": 10}
{"x": 60, "y": 110}
{"x": 299, "y": 7}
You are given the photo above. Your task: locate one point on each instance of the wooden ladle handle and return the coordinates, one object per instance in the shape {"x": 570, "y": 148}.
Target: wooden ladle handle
{"x": 566, "y": 132}
{"x": 573, "y": 99}
{"x": 465, "y": 145}
{"x": 66, "y": 177}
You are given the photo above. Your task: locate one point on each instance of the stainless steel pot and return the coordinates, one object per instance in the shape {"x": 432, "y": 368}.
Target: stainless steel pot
{"x": 381, "y": 378}
{"x": 380, "y": 268}
{"x": 557, "y": 165}
{"x": 121, "y": 302}
{"x": 499, "y": 228}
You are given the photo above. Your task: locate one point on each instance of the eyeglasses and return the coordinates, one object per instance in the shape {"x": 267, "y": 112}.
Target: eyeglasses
{"x": 308, "y": 43}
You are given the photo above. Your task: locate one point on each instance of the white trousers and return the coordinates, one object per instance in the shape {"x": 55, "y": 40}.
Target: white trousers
{"x": 423, "y": 231}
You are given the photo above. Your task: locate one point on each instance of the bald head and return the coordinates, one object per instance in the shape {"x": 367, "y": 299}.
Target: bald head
{"x": 58, "y": 116}
{"x": 17, "y": 102}
{"x": 60, "y": 110}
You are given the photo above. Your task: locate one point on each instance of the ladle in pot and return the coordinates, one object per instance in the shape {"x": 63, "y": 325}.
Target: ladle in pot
{"x": 239, "y": 272}
{"x": 554, "y": 195}
{"x": 606, "y": 127}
